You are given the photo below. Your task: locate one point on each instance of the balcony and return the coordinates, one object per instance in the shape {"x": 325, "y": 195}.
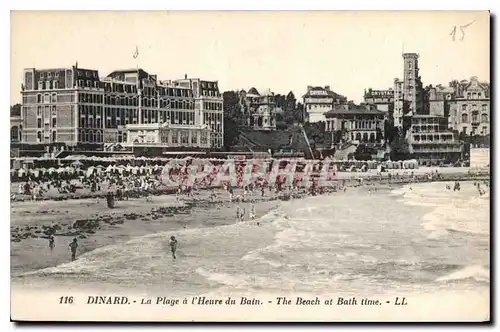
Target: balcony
{"x": 457, "y": 149}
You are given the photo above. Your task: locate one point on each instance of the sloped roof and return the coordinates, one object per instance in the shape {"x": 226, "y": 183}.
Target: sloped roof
{"x": 329, "y": 93}
{"x": 253, "y": 91}
{"x": 142, "y": 73}
{"x": 352, "y": 109}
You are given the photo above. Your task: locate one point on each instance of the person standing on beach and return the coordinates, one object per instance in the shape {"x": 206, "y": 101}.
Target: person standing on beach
{"x": 73, "y": 245}
{"x": 238, "y": 212}
{"x": 173, "y": 246}
{"x": 252, "y": 212}
{"x": 52, "y": 244}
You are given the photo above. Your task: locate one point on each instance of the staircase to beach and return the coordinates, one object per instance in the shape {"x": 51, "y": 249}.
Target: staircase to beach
{"x": 343, "y": 151}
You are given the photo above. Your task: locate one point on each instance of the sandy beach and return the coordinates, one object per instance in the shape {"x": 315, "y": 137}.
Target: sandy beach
{"x": 95, "y": 225}
{"x": 85, "y": 216}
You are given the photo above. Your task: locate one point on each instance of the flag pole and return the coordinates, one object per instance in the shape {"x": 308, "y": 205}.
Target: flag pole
{"x": 136, "y": 57}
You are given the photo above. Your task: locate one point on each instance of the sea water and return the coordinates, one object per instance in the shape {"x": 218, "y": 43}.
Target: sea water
{"x": 416, "y": 238}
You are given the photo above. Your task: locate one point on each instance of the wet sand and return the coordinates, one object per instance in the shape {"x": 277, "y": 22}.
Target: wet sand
{"x": 95, "y": 225}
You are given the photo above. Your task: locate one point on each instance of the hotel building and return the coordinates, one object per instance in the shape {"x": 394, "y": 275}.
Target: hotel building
{"x": 432, "y": 141}
{"x": 355, "y": 124}
{"x": 208, "y": 103}
{"x": 470, "y": 107}
{"x": 383, "y": 100}
{"x": 318, "y": 101}
{"x": 75, "y": 108}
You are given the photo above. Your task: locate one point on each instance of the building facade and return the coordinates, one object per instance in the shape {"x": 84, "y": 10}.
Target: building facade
{"x": 432, "y": 141}
{"x": 16, "y": 125}
{"x": 318, "y": 101}
{"x": 470, "y": 107}
{"x": 383, "y": 100}
{"x": 399, "y": 105}
{"x": 355, "y": 124}
{"x": 74, "y": 107}
{"x": 171, "y": 135}
{"x": 259, "y": 109}
{"x": 412, "y": 84}
{"x": 209, "y": 106}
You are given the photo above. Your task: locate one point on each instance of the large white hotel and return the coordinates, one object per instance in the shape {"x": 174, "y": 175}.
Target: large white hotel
{"x": 76, "y": 108}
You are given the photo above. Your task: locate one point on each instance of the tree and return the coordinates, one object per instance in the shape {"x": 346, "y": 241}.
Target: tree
{"x": 400, "y": 149}
{"x": 231, "y": 131}
{"x": 233, "y": 117}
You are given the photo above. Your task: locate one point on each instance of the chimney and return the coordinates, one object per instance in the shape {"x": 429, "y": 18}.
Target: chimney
{"x": 309, "y": 87}
{"x": 327, "y": 87}
{"x": 185, "y": 76}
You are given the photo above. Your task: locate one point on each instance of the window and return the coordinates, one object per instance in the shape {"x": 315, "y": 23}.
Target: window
{"x": 39, "y": 137}
{"x": 54, "y": 98}
{"x": 484, "y": 118}
{"x": 485, "y": 131}
{"x": 14, "y": 133}
{"x": 175, "y": 138}
{"x": 39, "y": 98}
{"x": 184, "y": 137}
{"x": 39, "y": 123}
{"x": 475, "y": 117}
{"x": 204, "y": 137}
{"x": 485, "y": 108}
{"x": 54, "y": 122}
{"x": 464, "y": 118}
{"x": 464, "y": 107}
{"x": 194, "y": 139}
{"x": 39, "y": 111}
{"x": 54, "y": 136}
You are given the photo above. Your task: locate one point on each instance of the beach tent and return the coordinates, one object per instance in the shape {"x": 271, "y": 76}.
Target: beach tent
{"x": 77, "y": 163}
{"x": 90, "y": 170}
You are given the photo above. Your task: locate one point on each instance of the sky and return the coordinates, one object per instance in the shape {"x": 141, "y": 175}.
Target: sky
{"x": 282, "y": 51}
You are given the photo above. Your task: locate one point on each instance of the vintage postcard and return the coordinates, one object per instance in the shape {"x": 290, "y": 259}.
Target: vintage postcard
{"x": 250, "y": 166}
